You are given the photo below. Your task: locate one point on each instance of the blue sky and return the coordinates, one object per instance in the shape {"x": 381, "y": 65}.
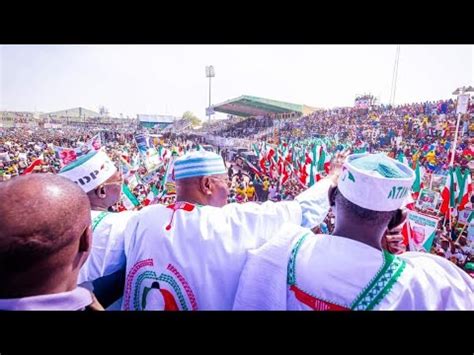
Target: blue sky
{"x": 170, "y": 79}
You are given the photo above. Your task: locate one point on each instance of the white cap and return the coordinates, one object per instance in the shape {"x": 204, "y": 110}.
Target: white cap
{"x": 90, "y": 170}
{"x": 376, "y": 182}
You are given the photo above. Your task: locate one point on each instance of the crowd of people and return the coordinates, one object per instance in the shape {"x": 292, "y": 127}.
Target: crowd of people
{"x": 415, "y": 133}
{"x": 245, "y": 128}
{"x": 208, "y": 206}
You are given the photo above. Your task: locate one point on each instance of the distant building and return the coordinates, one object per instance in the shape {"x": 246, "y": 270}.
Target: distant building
{"x": 77, "y": 112}
{"x": 156, "y": 121}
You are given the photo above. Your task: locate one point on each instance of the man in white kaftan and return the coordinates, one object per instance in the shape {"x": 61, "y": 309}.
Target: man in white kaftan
{"x": 189, "y": 255}
{"x": 96, "y": 174}
{"x": 298, "y": 270}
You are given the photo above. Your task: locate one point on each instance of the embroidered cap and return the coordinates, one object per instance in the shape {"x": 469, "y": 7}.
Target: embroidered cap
{"x": 376, "y": 182}
{"x": 90, "y": 170}
{"x": 198, "y": 163}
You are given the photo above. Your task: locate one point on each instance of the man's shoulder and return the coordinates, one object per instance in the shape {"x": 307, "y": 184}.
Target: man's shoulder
{"x": 109, "y": 216}
{"x": 431, "y": 264}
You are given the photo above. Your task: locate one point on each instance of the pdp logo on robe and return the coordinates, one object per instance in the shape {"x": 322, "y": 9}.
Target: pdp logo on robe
{"x": 165, "y": 291}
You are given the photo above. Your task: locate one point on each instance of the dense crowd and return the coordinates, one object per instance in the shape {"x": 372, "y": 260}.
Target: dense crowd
{"x": 288, "y": 165}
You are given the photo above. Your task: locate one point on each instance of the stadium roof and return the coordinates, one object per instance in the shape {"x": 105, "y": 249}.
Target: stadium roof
{"x": 247, "y": 106}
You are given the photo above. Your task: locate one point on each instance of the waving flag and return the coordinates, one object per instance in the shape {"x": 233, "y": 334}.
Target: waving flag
{"x": 152, "y": 195}
{"x": 128, "y": 198}
{"x": 417, "y": 184}
{"x": 448, "y": 194}
{"x": 465, "y": 191}
{"x": 324, "y": 161}
{"x": 37, "y": 162}
{"x": 251, "y": 166}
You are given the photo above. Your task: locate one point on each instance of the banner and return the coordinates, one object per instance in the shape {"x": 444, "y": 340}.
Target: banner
{"x": 142, "y": 143}
{"x": 168, "y": 180}
{"x": 428, "y": 200}
{"x": 128, "y": 198}
{"x": 437, "y": 181}
{"x": 470, "y": 232}
{"x": 152, "y": 159}
{"x": 95, "y": 143}
{"x": 463, "y": 216}
{"x": 463, "y": 103}
{"x": 421, "y": 231}
{"x": 133, "y": 181}
{"x": 68, "y": 155}
{"x": 147, "y": 179}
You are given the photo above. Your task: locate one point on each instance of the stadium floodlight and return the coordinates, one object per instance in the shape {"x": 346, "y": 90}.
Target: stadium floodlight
{"x": 210, "y": 73}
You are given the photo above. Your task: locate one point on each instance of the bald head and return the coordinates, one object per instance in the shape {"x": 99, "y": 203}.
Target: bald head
{"x": 43, "y": 218}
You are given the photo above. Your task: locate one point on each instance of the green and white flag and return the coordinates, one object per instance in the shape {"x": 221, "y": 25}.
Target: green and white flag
{"x": 128, "y": 198}
{"x": 133, "y": 181}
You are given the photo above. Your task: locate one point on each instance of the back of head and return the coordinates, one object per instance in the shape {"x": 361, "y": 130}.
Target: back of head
{"x": 201, "y": 177}
{"x": 371, "y": 189}
{"x": 43, "y": 217}
{"x": 90, "y": 170}
{"x": 360, "y": 215}
{"x": 96, "y": 175}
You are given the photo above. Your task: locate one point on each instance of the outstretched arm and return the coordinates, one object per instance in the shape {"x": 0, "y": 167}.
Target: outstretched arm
{"x": 314, "y": 201}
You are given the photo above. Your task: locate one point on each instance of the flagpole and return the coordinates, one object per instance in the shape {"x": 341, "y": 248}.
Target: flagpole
{"x": 450, "y": 223}
{"x": 462, "y": 231}
{"x": 465, "y": 225}
{"x": 458, "y": 92}
{"x": 453, "y": 151}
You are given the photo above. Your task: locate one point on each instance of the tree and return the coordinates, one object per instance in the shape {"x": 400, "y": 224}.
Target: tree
{"x": 195, "y": 121}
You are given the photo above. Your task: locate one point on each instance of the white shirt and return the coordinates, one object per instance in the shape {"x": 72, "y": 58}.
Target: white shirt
{"x": 190, "y": 257}
{"x": 74, "y": 300}
{"x": 323, "y": 272}
{"x": 272, "y": 192}
{"x": 107, "y": 245}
